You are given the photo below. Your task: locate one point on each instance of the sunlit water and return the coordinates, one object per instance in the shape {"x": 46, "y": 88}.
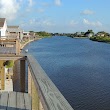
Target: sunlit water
{"x": 80, "y": 68}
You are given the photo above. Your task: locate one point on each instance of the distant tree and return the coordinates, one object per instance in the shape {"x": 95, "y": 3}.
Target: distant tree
{"x": 90, "y": 31}
{"x": 43, "y": 34}
{"x": 31, "y": 31}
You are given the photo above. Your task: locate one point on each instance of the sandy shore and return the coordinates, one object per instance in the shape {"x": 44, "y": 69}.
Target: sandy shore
{"x": 23, "y": 45}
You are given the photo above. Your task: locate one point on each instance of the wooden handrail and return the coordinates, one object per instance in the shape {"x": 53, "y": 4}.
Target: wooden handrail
{"x": 5, "y": 43}
{"x": 49, "y": 95}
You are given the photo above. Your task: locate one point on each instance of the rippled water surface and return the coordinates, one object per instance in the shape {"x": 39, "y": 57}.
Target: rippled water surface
{"x": 80, "y": 68}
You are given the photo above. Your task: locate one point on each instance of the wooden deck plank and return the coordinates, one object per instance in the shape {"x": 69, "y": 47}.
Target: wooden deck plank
{"x": 3, "y": 101}
{"x": 20, "y": 101}
{"x": 27, "y": 99}
{"x": 15, "y": 101}
{"x": 12, "y": 101}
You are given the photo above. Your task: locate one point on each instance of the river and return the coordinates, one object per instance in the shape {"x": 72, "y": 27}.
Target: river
{"x": 80, "y": 68}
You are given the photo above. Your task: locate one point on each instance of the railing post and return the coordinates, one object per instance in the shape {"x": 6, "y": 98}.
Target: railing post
{"x": 16, "y": 76}
{"x": 32, "y": 90}
{"x": 17, "y": 47}
{"x": 2, "y": 75}
{"x": 29, "y": 82}
{"x": 35, "y": 97}
{"x": 22, "y": 75}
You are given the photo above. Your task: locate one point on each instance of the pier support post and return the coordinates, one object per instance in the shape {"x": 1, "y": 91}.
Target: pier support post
{"x": 16, "y": 76}
{"x": 22, "y": 75}
{"x": 2, "y": 75}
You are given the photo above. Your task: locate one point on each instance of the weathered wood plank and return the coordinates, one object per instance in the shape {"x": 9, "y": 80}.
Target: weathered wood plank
{"x": 20, "y": 101}
{"x": 50, "y": 96}
{"x": 27, "y": 99}
{"x": 3, "y": 101}
{"x": 15, "y": 101}
{"x": 7, "y": 50}
{"x": 12, "y": 101}
{"x": 12, "y": 57}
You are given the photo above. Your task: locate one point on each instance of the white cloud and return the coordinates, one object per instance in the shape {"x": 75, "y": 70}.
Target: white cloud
{"x": 40, "y": 10}
{"x": 91, "y": 23}
{"x": 41, "y": 22}
{"x": 30, "y": 2}
{"x": 8, "y": 9}
{"x": 58, "y": 2}
{"x": 87, "y": 12}
{"x": 45, "y": 4}
{"x": 38, "y": 22}
{"x": 73, "y": 23}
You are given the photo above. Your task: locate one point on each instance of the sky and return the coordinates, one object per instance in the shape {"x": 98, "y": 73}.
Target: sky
{"x": 63, "y": 16}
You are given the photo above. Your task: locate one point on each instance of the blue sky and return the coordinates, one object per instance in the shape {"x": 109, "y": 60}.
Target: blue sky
{"x": 57, "y": 15}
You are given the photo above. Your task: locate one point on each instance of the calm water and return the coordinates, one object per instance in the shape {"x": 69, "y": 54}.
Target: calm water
{"x": 80, "y": 68}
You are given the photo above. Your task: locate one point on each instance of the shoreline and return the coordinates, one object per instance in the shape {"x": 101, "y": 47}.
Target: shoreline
{"x": 23, "y": 45}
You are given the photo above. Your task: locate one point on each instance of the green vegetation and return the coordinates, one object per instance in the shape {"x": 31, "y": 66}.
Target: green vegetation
{"x": 100, "y": 36}
{"x": 9, "y": 63}
{"x": 101, "y": 39}
{"x": 89, "y": 33}
{"x": 43, "y": 34}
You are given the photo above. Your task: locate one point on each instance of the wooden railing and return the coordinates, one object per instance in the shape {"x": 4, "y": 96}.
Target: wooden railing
{"x": 9, "y": 46}
{"x": 45, "y": 95}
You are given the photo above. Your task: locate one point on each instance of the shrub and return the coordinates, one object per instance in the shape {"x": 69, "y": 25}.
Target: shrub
{"x": 9, "y": 63}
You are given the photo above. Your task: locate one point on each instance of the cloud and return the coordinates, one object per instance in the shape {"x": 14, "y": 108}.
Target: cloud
{"x": 45, "y": 4}
{"x": 8, "y": 9}
{"x": 97, "y": 23}
{"x": 40, "y": 10}
{"x": 73, "y": 23}
{"x": 41, "y": 22}
{"x": 38, "y": 23}
{"x": 87, "y": 12}
{"x": 30, "y": 2}
{"x": 57, "y": 2}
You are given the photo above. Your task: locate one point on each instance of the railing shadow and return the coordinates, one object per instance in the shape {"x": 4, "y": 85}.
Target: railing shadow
{"x": 11, "y": 108}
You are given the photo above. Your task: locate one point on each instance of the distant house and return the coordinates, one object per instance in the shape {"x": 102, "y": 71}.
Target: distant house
{"x": 103, "y": 34}
{"x": 26, "y": 34}
{"x": 89, "y": 35}
{"x": 14, "y": 32}
{"x": 32, "y": 33}
{"x": 3, "y": 27}
{"x": 78, "y": 33}
{"x": 10, "y": 31}
{"x": 100, "y": 34}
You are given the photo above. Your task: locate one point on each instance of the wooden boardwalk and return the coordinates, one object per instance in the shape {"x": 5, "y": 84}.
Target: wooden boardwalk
{"x": 15, "y": 101}
{"x": 7, "y": 50}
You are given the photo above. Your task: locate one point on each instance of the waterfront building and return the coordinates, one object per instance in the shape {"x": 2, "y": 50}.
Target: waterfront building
{"x": 14, "y": 32}
{"x": 10, "y": 31}
{"x": 3, "y": 27}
